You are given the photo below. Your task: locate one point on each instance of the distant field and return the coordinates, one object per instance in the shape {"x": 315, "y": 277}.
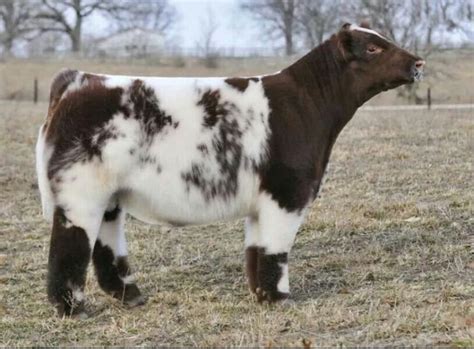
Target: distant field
{"x": 386, "y": 256}
{"x": 450, "y": 74}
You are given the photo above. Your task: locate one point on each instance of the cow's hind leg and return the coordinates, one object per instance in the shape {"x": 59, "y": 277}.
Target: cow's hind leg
{"x": 110, "y": 259}
{"x": 277, "y": 229}
{"x": 251, "y": 252}
{"x": 74, "y": 233}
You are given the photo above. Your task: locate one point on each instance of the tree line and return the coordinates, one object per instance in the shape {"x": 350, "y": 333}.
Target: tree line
{"x": 29, "y": 19}
{"x": 411, "y": 23}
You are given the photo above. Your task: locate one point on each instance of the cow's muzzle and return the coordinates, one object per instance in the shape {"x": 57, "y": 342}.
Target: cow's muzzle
{"x": 417, "y": 70}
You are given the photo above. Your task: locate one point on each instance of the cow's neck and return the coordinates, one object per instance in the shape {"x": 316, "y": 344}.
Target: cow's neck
{"x": 321, "y": 73}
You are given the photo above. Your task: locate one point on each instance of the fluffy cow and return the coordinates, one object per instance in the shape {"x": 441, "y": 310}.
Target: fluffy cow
{"x": 199, "y": 150}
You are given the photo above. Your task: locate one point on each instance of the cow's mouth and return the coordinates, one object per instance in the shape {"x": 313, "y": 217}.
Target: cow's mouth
{"x": 395, "y": 83}
{"x": 417, "y": 75}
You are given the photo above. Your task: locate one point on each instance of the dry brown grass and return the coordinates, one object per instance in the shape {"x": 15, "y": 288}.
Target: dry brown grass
{"x": 385, "y": 257}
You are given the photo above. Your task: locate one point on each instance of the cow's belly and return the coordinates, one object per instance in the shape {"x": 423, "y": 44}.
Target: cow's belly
{"x": 165, "y": 198}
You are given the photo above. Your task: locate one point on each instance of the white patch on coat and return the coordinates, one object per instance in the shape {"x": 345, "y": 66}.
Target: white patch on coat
{"x": 78, "y": 295}
{"x": 252, "y": 233}
{"x": 277, "y": 226}
{"x": 112, "y": 234}
{"x": 43, "y": 155}
{"x": 84, "y": 193}
{"x": 74, "y": 85}
{"x": 284, "y": 283}
{"x": 129, "y": 279}
{"x": 163, "y": 196}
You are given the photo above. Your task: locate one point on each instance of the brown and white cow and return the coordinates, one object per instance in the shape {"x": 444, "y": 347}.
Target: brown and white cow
{"x": 199, "y": 150}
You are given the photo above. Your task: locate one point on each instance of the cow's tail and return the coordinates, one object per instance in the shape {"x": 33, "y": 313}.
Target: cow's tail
{"x": 63, "y": 79}
{"x": 43, "y": 154}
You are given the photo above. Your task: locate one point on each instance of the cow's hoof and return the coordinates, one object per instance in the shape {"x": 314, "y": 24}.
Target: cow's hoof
{"x": 80, "y": 316}
{"x": 76, "y": 311}
{"x": 130, "y": 296}
{"x": 287, "y": 302}
{"x": 135, "y": 302}
{"x": 270, "y": 296}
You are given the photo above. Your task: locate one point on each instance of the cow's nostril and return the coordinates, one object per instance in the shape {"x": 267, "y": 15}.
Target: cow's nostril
{"x": 419, "y": 64}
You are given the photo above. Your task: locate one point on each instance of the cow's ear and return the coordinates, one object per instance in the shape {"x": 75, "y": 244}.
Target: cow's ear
{"x": 346, "y": 26}
{"x": 365, "y": 24}
{"x": 345, "y": 43}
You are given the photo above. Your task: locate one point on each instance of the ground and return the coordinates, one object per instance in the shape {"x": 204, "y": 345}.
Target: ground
{"x": 386, "y": 255}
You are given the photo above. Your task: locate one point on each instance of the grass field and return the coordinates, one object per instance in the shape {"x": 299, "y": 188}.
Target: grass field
{"x": 386, "y": 256}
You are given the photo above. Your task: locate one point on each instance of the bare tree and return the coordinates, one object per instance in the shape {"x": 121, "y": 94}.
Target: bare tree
{"x": 411, "y": 23}
{"x": 15, "y": 16}
{"x": 209, "y": 27}
{"x": 277, "y": 17}
{"x": 156, "y": 15}
{"x": 68, "y": 16}
{"x": 318, "y": 18}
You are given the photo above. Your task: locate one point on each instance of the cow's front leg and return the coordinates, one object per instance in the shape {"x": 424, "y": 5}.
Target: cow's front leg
{"x": 273, "y": 234}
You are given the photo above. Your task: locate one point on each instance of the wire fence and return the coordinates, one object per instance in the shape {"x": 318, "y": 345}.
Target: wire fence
{"x": 155, "y": 51}
{"x": 29, "y": 78}
{"x": 140, "y": 51}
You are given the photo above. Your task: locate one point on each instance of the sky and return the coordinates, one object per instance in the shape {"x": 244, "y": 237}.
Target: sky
{"x": 234, "y": 30}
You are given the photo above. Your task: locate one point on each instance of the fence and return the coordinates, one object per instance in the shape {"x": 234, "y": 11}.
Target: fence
{"x": 163, "y": 51}
{"x": 159, "y": 52}
{"x": 29, "y": 79}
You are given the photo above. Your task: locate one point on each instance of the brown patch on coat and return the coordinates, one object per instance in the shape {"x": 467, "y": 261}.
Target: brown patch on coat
{"x": 313, "y": 99}
{"x": 69, "y": 255}
{"x": 146, "y": 108}
{"x": 58, "y": 86}
{"x": 112, "y": 215}
{"x": 212, "y": 107}
{"x": 203, "y": 148}
{"x": 269, "y": 273}
{"x": 110, "y": 271}
{"x": 225, "y": 148}
{"x": 251, "y": 263}
{"x": 240, "y": 84}
{"x": 78, "y": 117}
{"x": 60, "y": 83}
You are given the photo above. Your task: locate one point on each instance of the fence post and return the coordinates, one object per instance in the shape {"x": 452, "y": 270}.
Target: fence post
{"x": 35, "y": 91}
{"x": 428, "y": 98}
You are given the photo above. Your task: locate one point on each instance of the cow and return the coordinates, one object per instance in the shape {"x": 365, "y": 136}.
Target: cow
{"x": 188, "y": 151}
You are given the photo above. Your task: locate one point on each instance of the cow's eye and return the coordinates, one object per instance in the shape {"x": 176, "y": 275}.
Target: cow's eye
{"x": 373, "y": 49}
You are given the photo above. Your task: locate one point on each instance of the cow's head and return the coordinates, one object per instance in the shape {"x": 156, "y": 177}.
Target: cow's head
{"x": 374, "y": 63}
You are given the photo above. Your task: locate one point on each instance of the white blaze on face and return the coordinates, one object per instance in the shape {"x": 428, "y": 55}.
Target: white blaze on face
{"x": 365, "y": 30}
